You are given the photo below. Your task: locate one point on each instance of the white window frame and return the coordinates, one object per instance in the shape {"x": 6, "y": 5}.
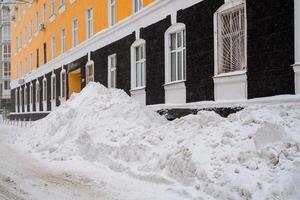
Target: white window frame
{"x": 30, "y": 97}
{"x": 74, "y": 32}
{"x": 30, "y": 29}
{"x": 44, "y": 94}
{"x": 63, "y": 40}
{"x": 53, "y": 91}
{"x": 44, "y": 14}
{"x": 30, "y": 62}
{"x": 134, "y": 85}
{"x": 137, "y": 5}
{"x": 37, "y": 95}
{"x": 53, "y": 47}
{"x": 229, "y": 7}
{"x": 112, "y": 12}
{"x": 37, "y": 22}
{"x": 89, "y": 23}
{"x": 20, "y": 100}
{"x": 52, "y": 7}
{"x": 63, "y": 86}
{"x": 176, "y": 28}
{"x": 89, "y": 72}
{"x": 25, "y": 98}
{"x": 112, "y": 69}
{"x": 16, "y": 100}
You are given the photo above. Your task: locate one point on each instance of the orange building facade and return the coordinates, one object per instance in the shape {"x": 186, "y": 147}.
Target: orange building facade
{"x": 36, "y": 29}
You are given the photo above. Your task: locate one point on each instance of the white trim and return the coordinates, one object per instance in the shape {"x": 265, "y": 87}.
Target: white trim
{"x": 37, "y": 94}
{"x": 110, "y": 69}
{"x": 139, "y": 94}
{"x": 140, "y": 7}
{"x": 110, "y": 16}
{"x": 16, "y": 100}
{"x": 45, "y": 94}
{"x": 89, "y": 30}
{"x": 150, "y": 14}
{"x": 230, "y": 87}
{"x": 53, "y": 97}
{"x": 297, "y": 78}
{"x": 175, "y": 93}
{"x": 88, "y": 64}
{"x": 30, "y": 97}
{"x": 63, "y": 97}
{"x": 52, "y": 18}
{"x": 137, "y": 43}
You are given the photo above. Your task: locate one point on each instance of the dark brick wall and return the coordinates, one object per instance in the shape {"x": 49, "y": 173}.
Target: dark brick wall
{"x": 154, "y": 35}
{"x": 270, "y": 47}
{"x": 100, "y": 58}
{"x": 200, "y": 49}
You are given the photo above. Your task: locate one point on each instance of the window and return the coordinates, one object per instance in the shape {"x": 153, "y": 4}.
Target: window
{"x": 6, "y": 70}
{"x": 62, "y": 2}
{"x": 6, "y": 52}
{"x": 30, "y": 96}
{"x": 30, "y": 29}
{"x": 112, "y": 12}
{"x": 231, "y": 45}
{"x": 16, "y": 100}
{"x": 6, "y": 85}
{"x": 112, "y": 71}
{"x": 25, "y": 35}
{"x": 63, "y": 84}
{"x": 37, "y": 21}
{"x": 138, "y": 64}
{"x": 74, "y": 32}
{"x": 137, "y": 5}
{"x": 37, "y": 58}
{"x": 25, "y": 98}
{"x": 5, "y": 33}
{"x": 20, "y": 71}
{"x": 175, "y": 39}
{"x": 17, "y": 44}
{"x": 89, "y": 70}
{"x": 20, "y": 38}
{"x": 25, "y": 66}
{"x": 53, "y": 47}
{"x": 44, "y": 13}
{"x": 53, "y": 90}
{"x": 52, "y": 11}
{"x": 63, "y": 40}
{"x": 20, "y": 99}
{"x": 37, "y": 95}
{"x": 89, "y": 23}
{"x": 44, "y": 94}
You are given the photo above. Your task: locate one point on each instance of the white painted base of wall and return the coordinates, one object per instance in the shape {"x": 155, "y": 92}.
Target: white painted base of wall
{"x": 139, "y": 95}
{"x": 175, "y": 93}
{"x": 37, "y": 108}
{"x": 44, "y": 106}
{"x": 297, "y": 78}
{"x": 231, "y": 86}
{"x": 53, "y": 104}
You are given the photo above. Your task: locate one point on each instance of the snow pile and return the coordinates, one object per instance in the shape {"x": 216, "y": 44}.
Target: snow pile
{"x": 253, "y": 154}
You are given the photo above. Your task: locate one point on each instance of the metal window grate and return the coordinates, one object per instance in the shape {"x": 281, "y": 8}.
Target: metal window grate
{"x": 231, "y": 40}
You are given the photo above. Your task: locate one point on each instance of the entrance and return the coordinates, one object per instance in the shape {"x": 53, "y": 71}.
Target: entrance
{"x": 74, "y": 82}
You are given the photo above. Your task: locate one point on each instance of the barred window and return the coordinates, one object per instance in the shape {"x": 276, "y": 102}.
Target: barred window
{"x": 231, "y": 40}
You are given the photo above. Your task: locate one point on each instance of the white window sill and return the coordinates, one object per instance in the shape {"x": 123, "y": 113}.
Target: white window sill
{"x": 36, "y": 33}
{"x": 52, "y": 18}
{"x": 137, "y": 89}
{"x": 235, "y": 73}
{"x": 174, "y": 82}
{"x": 61, "y": 8}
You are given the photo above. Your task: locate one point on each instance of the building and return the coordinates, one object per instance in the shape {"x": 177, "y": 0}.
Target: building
{"x": 5, "y": 58}
{"x": 158, "y": 51}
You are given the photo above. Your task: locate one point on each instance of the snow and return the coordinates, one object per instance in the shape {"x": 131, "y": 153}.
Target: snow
{"x": 127, "y": 151}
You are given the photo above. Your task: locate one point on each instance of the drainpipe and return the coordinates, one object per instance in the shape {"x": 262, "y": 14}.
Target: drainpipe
{"x": 297, "y": 46}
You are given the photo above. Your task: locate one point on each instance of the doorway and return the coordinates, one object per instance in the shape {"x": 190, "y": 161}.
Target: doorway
{"x": 74, "y": 78}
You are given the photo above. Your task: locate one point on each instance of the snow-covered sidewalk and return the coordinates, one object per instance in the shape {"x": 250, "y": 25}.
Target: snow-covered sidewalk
{"x": 101, "y": 144}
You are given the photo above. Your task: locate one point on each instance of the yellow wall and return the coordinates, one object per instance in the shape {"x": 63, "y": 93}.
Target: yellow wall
{"x": 76, "y": 10}
{"x": 74, "y": 82}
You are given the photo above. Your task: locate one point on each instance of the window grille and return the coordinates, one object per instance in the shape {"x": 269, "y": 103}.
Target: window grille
{"x": 231, "y": 40}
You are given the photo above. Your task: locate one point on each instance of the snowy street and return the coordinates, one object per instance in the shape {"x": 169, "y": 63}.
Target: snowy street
{"x": 103, "y": 145}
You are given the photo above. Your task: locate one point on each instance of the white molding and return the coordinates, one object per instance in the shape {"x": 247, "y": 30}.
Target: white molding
{"x": 139, "y": 94}
{"x": 175, "y": 93}
{"x": 233, "y": 87}
{"x": 296, "y": 68}
{"x": 147, "y": 16}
